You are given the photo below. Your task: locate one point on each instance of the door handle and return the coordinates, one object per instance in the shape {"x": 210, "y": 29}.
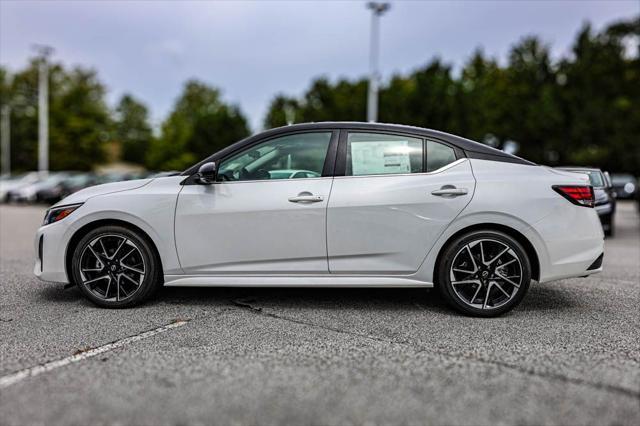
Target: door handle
{"x": 306, "y": 199}
{"x": 454, "y": 192}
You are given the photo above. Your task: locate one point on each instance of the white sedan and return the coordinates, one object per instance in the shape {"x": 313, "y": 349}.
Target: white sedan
{"x": 384, "y": 206}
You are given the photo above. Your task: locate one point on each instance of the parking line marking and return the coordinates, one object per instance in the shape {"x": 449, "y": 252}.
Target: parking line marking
{"x": 18, "y": 376}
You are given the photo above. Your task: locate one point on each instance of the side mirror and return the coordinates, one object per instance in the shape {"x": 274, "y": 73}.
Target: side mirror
{"x": 207, "y": 173}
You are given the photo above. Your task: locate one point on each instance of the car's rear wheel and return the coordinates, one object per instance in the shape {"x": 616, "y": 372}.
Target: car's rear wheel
{"x": 115, "y": 267}
{"x": 484, "y": 273}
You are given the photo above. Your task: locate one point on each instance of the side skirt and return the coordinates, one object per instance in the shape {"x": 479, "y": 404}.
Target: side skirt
{"x": 291, "y": 281}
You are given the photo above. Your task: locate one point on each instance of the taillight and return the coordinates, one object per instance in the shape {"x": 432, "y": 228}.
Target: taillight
{"x": 579, "y": 195}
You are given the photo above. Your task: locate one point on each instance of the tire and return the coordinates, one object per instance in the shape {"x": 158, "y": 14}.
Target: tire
{"x": 118, "y": 255}
{"x": 479, "y": 293}
{"x": 609, "y": 230}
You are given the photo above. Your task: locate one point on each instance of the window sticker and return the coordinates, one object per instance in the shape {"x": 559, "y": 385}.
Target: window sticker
{"x": 380, "y": 157}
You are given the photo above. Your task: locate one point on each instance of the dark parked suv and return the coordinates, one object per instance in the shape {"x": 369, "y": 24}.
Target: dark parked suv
{"x": 604, "y": 194}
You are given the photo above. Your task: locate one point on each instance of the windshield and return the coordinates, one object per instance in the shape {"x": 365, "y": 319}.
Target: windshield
{"x": 596, "y": 178}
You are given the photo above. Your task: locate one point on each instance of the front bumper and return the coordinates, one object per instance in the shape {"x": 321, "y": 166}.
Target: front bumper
{"x": 50, "y": 246}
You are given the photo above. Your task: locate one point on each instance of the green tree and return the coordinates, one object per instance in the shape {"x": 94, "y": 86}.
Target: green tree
{"x": 601, "y": 98}
{"x": 282, "y": 111}
{"x": 80, "y": 123}
{"x": 199, "y": 125}
{"x": 532, "y": 116}
{"x": 78, "y": 118}
{"x": 132, "y": 129}
{"x": 343, "y": 101}
{"x": 425, "y": 98}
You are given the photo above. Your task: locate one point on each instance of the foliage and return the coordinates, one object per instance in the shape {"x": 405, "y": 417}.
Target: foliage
{"x": 199, "y": 125}
{"x": 79, "y": 119}
{"x": 132, "y": 129}
{"x": 581, "y": 109}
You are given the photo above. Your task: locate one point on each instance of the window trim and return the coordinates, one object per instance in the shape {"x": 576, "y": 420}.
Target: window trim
{"x": 341, "y": 160}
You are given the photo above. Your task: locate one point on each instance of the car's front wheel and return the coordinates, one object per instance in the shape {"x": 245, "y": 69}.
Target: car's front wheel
{"x": 115, "y": 267}
{"x": 484, "y": 273}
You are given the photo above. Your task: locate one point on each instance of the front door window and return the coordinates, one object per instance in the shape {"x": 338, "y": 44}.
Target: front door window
{"x": 289, "y": 157}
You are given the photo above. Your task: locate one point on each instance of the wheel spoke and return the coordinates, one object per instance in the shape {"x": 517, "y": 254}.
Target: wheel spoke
{"x": 482, "y": 253}
{"x": 104, "y": 250}
{"x": 465, "y": 282}
{"x": 97, "y": 256}
{"x": 96, "y": 279}
{"x": 128, "y": 253}
{"x": 501, "y": 289}
{"x": 463, "y": 271}
{"x": 475, "y": 267}
{"x": 502, "y": 277}
{"x": 507, "y": 263}
{"x": 486, "y": 297}
{"x": 115, "y": 253}
{"x": 138, "y": 271}
{"x": 475, "y": 294}
{"x": 130, "y": 279}
{"x": 106, "y": 292}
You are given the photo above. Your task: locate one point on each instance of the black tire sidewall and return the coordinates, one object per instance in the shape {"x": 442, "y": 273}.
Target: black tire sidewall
{"x": 443, "y": 282}
{"x": 151, "y": 280}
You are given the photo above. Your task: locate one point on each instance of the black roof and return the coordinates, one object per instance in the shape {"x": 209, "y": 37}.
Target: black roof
{"x": 471, "y": 148}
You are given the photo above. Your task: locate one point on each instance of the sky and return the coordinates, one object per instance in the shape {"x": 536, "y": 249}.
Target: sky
{"x": 253, "y": 50}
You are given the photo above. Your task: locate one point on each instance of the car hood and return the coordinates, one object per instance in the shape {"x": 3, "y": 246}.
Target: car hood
{"x": 107, "y": 188}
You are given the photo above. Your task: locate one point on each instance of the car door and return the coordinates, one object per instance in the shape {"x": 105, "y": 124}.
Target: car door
{"x": 398, "y": 194}
{"x": 256, "y": 218}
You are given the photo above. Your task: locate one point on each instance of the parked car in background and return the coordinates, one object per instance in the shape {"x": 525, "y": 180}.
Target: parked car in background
{"x": 625, "y": 185}
{"x": 29, "y": 193}
{"x": 73, "y": 183}
{"x": 10, "y": 183}
{"x": 605, "y": 199}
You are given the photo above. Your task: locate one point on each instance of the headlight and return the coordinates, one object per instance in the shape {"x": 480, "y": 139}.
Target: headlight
{"x": 58, "y": 213}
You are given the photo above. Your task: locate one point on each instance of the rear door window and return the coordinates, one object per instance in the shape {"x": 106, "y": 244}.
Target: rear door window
{"x": 382, "y": 154}
{"x": 439, "y": 155}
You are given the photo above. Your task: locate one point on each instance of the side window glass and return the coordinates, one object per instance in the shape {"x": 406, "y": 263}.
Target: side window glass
{"x": 439, "y": 155}
{"x": 380, "y": 154}
{"x": 288, "y": 157}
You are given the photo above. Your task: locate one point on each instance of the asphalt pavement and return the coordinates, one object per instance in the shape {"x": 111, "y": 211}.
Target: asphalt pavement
{"x": 570, "y": 354}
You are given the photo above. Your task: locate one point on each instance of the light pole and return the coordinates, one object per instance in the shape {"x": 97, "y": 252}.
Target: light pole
{"x": 5, "y": 139}
{"x": 43, "y": 108}
{"x": 377, "y": 9}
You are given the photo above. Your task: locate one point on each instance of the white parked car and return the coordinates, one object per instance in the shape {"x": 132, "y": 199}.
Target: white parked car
{"x": 391, "y": 206}
{"x": 12, "y": 183}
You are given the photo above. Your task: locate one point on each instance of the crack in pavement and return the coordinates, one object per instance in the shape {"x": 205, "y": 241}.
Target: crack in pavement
{"x": 247, "y": 304}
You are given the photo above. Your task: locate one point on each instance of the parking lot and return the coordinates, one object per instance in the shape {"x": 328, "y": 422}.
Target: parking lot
{"x": 570, "y": 354}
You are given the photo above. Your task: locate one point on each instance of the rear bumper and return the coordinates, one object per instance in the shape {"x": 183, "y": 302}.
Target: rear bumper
{"x": 573, "y": 241}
